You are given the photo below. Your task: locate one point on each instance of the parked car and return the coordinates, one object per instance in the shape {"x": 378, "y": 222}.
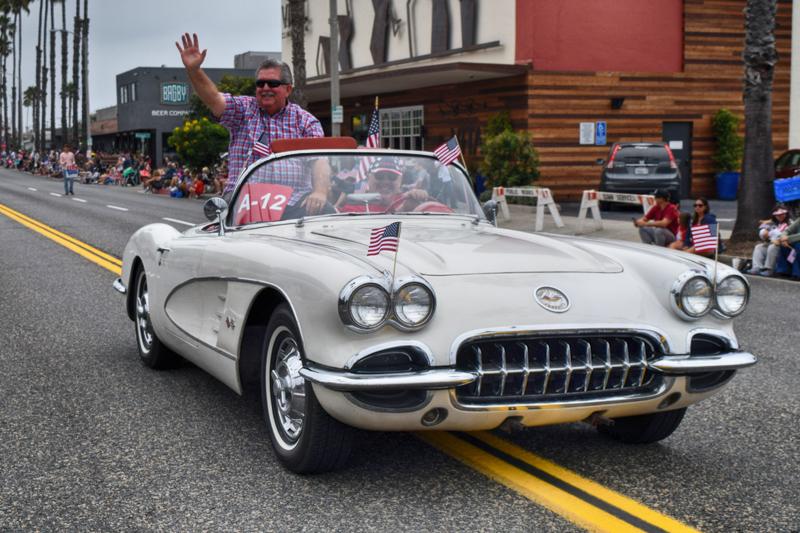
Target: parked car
{"x": 641, "y": 168}
{"x": 787, "y": 165}
{"x": 466, "y": 327}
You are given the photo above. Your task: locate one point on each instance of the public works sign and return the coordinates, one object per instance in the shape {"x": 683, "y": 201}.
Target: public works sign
{"x": 174, "y": 93}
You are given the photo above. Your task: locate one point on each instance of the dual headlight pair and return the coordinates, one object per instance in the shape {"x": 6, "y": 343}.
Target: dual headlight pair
{"x": 367, "y": 303}
{"x": 694, "y": 295}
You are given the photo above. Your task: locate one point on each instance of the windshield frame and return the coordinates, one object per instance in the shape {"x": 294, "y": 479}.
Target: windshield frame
{"x": 226, "y": 220}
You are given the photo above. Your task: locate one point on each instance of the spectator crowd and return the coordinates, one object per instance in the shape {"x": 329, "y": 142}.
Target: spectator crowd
{"x": 124, "y": 169}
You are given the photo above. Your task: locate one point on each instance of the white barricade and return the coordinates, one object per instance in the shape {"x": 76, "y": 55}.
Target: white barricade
{"x": 591, "y": 198}
{"x": 544, "y": 199}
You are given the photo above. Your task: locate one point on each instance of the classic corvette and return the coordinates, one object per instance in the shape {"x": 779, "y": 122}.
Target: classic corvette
{"x": 401, "y": 306}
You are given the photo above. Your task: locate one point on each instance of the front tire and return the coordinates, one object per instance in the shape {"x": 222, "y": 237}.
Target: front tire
{"x": 152, "y": 352}
{"x": 644, "y": 429}
{"x": 305, "y": 438}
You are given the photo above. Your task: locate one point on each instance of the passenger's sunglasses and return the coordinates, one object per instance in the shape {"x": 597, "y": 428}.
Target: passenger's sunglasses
{"x": 386, "y": 176}
{"x": 273, "y": 84}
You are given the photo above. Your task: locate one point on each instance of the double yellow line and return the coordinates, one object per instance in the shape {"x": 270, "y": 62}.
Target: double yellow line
{"x": 578, "y": 499}
{"x": 91, "y": 253}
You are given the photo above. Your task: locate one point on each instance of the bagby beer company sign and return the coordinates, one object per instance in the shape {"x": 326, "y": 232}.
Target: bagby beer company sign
{"x": 173, "y": 93}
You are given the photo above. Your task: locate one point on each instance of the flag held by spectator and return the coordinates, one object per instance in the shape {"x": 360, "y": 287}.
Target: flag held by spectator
{"x": 384, "y": 238}
{"x": 448, "y": 152}
{"x": 704, "y": 237}
{"x": 261, "y": 146}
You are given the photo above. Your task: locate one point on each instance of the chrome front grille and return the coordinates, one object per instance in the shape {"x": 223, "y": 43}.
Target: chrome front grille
{"x": 549, "y": 368}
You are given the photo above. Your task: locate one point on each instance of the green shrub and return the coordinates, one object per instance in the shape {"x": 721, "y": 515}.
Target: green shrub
{"x": 199, "y": 142}
{"x": 509, "y": 158}
{"x": 730, "y": 146}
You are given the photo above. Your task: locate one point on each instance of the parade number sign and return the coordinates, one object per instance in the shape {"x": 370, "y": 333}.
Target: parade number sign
{"x": 261, "y": 202}
{"x": 174, "y": 93}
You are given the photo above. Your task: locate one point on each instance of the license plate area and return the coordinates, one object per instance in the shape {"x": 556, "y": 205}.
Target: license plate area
{"x": 641, "y": 170}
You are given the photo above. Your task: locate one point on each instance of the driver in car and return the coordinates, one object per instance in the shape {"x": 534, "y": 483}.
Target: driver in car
{"x": 384, "y": 191}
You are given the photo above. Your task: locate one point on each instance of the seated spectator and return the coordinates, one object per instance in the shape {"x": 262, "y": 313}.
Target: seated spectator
{"x": 684, "y": 237}
{"x": 197, "y": 186}
{"x": 129, "y": 177}
{"x": 221, "y": 178}
{"x": 149, "y": 179}
{"x": 766, "y": 252}
{"x": 788, "y": 263}
{"x": 660, "y": 225}
{"x": 703, "y": 215}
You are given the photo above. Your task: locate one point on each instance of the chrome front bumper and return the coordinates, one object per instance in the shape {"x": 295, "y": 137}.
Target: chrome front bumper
{"x": 446, "y": 378}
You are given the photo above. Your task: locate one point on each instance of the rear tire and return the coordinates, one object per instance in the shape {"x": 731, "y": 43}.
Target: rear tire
{"x": 152, "y": 352}
{"x": 305, "y": 438}
{"x": 644, "y": 429}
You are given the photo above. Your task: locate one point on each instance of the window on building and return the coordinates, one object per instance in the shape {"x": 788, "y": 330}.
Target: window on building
{"x": 123, "y": 94}
{"x": 133, "y": 92}
{"x": 401, "y": 128}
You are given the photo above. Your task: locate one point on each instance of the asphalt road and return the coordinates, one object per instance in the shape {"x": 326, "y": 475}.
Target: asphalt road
{"x": 92, "y": 440}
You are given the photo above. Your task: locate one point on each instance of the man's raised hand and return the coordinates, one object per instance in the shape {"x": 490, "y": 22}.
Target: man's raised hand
{"x": 191, "y": 55}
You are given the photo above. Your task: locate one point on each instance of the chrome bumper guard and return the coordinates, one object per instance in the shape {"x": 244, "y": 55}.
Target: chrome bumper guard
{"x": 446, "y": 378}
{"x": 686, "y": 364}
{"x": 436, "y": 378}
{"x": 119, "y": 286}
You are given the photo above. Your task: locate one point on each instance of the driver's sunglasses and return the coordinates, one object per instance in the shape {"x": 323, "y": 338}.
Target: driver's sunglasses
{"x": 273, "y": 84}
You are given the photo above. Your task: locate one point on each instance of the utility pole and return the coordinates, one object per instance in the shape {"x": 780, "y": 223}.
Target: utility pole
{"x": 334, "y": 62}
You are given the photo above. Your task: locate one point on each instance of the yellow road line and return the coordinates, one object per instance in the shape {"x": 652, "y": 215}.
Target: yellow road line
{"x": 84, "y": 250}
{"x": 584, "y": 502}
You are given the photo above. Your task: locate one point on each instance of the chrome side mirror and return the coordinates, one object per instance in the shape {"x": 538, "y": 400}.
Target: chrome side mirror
{"x": 213, "y": 209}
{"x": 490, "y": 210}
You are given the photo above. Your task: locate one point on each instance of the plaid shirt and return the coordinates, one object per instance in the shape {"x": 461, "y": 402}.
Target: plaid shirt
{"x": 246, "y": 122}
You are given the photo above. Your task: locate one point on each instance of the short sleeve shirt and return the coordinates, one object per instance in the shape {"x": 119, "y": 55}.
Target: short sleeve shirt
{"x": 670, "y": 212}
{"x": 246, "y": 123}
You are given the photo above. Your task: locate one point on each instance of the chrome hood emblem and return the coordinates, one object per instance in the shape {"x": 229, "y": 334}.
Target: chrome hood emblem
{"x": 552, "y": 299}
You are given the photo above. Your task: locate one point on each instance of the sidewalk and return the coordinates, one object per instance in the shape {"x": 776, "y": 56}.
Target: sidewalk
{"x": 523, "y": 218}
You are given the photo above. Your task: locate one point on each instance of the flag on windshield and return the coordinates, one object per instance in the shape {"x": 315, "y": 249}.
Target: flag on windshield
{"x": 385, "y": 238}
{"x": 261, "y": 146}
{"x": 373, "y": 141}
{"x": 448, "y": 152}
{"x": 704, "y": 237}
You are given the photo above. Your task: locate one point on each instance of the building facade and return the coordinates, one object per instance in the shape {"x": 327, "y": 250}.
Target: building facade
{"x": 639, "y": 71}
{"x": 151, "y": 103}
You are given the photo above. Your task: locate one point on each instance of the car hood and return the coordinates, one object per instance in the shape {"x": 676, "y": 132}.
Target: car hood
{"x": 440, "y": 248}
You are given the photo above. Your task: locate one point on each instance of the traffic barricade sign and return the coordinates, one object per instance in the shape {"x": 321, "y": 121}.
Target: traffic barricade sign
{"x": 544, "y": 200}
{"x": 590, "y": 202}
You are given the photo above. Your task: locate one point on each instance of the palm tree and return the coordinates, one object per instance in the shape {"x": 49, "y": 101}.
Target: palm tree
{"x": 64, "y": 61}
{"x": 29, "y": 98}
{"x": 69, "y": 92}
{"x": 43, "y": 86}
{"x": 37, "y": 103}
{"x": 76, "y": 54}
{"x": 85, "y": 73}
{"x": 297, "y": 29}
{"x": 52, "y": 74}
{"x": 6, "y": 38}
{"x": 760, "y": 56}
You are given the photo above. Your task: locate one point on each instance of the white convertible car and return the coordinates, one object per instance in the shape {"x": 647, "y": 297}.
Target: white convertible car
{"x": 464, "y": 327}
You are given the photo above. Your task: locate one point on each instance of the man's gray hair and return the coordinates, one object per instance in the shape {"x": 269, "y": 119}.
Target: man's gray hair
{"x": 286, "y": 72}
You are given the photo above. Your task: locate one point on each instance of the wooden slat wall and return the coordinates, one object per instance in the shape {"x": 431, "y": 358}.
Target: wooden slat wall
{"x": 713, "y": 41}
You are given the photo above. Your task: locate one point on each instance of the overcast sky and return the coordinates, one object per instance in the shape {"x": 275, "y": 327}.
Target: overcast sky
{"x": 125, "y": 34}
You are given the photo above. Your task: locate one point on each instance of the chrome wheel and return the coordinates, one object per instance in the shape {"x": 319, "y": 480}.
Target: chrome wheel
{"x": 144, "y": 330}
{"x": 288, "y": 388}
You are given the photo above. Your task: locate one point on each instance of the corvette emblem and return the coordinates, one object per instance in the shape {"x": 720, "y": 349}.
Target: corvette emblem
{"x": 230, "y": 323}
{"x": 552, "y": 299}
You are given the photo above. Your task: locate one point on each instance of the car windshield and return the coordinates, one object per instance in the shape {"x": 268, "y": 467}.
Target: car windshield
{"x": 357, "y": 182}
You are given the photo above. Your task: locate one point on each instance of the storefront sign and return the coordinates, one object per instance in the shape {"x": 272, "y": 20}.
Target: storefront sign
{"x": 337, "y": 114}
{"x": 174, "y": 93}
{"x": 143, "y": 135}
{"x": 169, "y": 112}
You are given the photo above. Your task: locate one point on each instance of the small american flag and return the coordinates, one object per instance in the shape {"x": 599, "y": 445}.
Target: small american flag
{"x": 385, "y": 238}
{"x": 261, "y": 146}
{"x": 704, "y": 237}
{"x": 448, "y": 152}
{"x": 373, "y": 141}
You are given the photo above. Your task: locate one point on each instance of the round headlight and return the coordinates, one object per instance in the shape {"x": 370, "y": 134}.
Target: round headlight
{"x": 732, "y": 295}
{"x": 369, "y": 306}
{"x": 696, "y": 297}
{"x": 413, "y": 305}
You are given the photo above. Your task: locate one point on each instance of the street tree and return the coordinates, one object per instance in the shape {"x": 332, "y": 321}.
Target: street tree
{"x": 6, "y": 38}
{"x": 760, "y": 56}
{"x": 297, "y": 32}
{"x": 76, "y": 80}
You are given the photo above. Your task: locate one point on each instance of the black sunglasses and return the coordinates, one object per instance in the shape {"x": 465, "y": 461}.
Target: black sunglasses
{"x": 273, "y": 84}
